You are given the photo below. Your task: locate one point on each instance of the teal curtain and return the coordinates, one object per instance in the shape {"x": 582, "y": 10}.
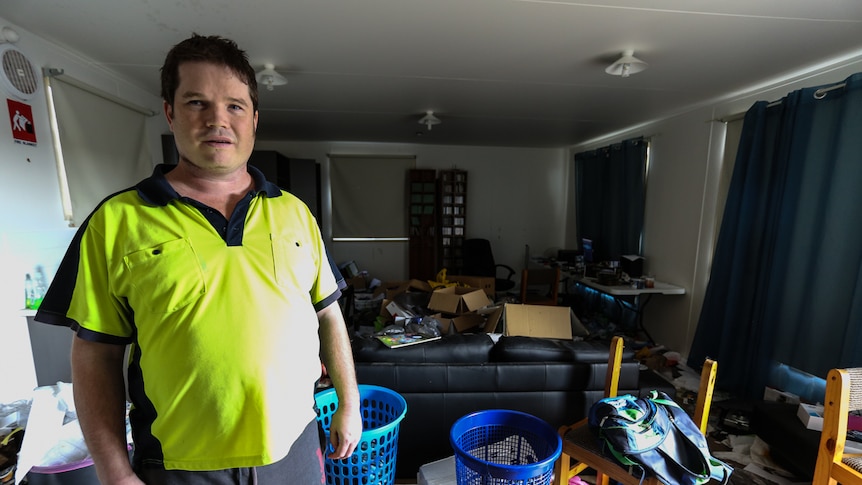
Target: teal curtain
{"x": 786, "y": 286}
{"x": 609, "y": 188}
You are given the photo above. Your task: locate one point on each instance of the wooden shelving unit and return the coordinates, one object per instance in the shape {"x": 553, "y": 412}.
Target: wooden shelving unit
{"x": 453, "y": 218}
{"x": 422, "y": 193}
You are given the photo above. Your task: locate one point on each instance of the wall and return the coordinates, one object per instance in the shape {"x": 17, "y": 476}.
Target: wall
{"x": 515, "y": 197}
{"x": 683, "y": 193}
{"x": 32, "y": 229}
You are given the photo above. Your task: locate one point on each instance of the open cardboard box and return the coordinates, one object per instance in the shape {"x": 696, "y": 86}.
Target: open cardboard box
{"x": 483, "y": 283}
{"x": 391, "y": 289}
{"x": 542, "y": 321}
{"x": 460, "y": 323}
{"x": 457, "y": 300}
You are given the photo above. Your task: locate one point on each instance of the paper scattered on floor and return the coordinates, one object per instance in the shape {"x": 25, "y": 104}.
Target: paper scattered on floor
{"x": 758, "y": 470}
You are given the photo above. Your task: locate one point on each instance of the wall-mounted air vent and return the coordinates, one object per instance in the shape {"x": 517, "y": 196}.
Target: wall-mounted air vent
{"x": 18, "y": 76}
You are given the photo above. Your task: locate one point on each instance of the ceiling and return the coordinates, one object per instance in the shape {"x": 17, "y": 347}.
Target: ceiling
{"x": 496, "y": 72}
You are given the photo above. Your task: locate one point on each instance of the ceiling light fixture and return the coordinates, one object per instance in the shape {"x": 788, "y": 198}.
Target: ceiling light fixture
{"x": 626, "y": 65}
{"x": 8, "y": 34}
{"x": 429, "y": 120}
{"x": 269, "y": 77}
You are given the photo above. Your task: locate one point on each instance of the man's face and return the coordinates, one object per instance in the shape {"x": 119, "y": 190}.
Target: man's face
{"x": 212, "y": 118}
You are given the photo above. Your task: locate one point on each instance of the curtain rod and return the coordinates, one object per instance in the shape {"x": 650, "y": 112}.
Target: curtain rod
{"x": 52, "y": 72}
{"x": 819, "y": 94}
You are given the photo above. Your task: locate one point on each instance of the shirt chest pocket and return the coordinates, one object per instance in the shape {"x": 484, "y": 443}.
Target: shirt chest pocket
{"x": 295, "y": 264}
{"x": 165, "y": 277}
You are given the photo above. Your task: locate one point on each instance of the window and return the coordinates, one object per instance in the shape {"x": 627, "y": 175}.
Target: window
{"x": 369, "y": 197}
{"x": 610, "y": 189}
{"x": 101, "y": 145}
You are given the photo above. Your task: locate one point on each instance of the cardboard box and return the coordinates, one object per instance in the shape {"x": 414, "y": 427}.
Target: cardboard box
{"x": 483, "y": 283}
{"x": 391, "y": 289}
{"x": 458, "y": 323}
{"x": 535, "y": 321}
{"x": 811, "y": 416}
{"x": 455, "y": 300}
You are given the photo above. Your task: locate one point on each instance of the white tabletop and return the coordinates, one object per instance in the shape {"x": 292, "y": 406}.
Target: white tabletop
{"x": 627, "y": 290}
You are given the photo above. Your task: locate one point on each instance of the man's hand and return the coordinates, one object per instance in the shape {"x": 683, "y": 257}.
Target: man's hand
{"x": 345, "y": 431}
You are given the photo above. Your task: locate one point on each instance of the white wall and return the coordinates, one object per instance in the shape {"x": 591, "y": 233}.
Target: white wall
{"x": 32, "y": 230}
{"x": 682, "y": 194}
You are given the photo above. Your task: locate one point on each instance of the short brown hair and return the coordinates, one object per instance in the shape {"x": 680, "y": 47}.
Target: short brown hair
{"x": 213, "y": 49}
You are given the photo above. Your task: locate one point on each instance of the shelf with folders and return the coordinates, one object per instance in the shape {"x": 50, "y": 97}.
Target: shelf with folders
{"x": 453, "y": 219}
{"x": 422, "y": 224}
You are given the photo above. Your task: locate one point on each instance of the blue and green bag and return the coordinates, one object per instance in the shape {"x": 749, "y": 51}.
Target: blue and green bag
{"x": 653, "y": 436}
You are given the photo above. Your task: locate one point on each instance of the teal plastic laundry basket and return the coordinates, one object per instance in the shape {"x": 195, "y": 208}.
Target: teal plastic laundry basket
{"x": 503, "y": 447}
{"x": 373, "y": 462}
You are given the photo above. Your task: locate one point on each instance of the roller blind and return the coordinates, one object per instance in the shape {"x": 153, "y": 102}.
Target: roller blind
{"x": 369, "y": 196}
{"x": 103, "y": 144}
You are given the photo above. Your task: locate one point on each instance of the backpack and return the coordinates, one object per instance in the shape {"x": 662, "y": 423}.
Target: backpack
{"x": 654, "y": 436}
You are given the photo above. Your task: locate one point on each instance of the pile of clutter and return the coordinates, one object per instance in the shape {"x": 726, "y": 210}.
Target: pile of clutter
{"x": 450, "y": 304}
{"x": 40, "y": 438}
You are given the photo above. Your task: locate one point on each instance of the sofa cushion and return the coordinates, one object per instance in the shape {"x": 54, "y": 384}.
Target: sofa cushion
{"x": 530, "y": 349}
{"x": 459, "y": 348}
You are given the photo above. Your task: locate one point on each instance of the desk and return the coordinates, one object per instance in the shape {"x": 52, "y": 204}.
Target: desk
{"x": 630, "y": 298}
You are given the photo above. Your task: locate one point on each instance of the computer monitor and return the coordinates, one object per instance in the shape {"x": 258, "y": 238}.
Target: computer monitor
{"x": 587, "y": 248}
{"x": 568, "y": 256}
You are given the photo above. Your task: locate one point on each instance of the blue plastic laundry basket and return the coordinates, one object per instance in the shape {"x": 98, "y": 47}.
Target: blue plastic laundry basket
{"x": 500, "y": 447}
{"x": 373, "y": 462}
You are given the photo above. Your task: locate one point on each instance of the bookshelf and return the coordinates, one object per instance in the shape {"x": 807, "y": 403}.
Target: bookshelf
{"x": 422, "y": 226}
{"x": 453, "y": 218}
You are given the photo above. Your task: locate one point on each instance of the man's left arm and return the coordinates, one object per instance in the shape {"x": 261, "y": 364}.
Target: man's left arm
{"x": 346, "y": 427}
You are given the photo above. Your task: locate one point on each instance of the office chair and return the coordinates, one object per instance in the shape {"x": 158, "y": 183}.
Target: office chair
{"x": 843, "y": 395}
{"x": 581, "y": 445}
{"x": 540, "y": 286}
{"x": 479, "y": 261}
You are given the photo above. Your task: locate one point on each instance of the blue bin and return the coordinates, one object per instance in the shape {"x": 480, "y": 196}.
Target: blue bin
{"x": 373, "y": 461}
{"x": 501, "y": 447}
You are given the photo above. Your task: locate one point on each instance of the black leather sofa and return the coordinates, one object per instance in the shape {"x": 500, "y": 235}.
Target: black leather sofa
{"x": 446, "y": 379}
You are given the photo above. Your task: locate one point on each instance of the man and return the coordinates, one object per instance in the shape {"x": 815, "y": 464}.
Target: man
{"x": 221, "y": 284}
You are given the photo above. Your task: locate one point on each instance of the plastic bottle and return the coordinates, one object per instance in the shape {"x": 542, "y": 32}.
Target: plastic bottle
{"x": 29, "y": 292}
{"x": 40, "y": 284}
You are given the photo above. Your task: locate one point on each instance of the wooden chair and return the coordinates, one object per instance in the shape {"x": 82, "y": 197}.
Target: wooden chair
{"x": 843, "y": 394}
{"x": 581, "y": 445}
{"x": 563, "y": 468}
{"x": 540, "y": 286}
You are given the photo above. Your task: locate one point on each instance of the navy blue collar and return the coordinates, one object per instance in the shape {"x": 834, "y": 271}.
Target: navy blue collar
{"x": 156, "y": 189}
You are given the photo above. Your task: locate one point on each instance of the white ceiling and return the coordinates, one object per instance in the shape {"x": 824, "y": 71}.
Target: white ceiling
{"x": 496, "y": 72}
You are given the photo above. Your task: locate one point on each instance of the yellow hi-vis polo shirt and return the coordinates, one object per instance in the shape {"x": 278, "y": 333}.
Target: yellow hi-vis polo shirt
{"x": 221, "y": 314}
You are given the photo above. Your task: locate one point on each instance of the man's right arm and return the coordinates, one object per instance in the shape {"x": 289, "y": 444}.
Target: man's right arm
{"x": 100, "y": 399}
